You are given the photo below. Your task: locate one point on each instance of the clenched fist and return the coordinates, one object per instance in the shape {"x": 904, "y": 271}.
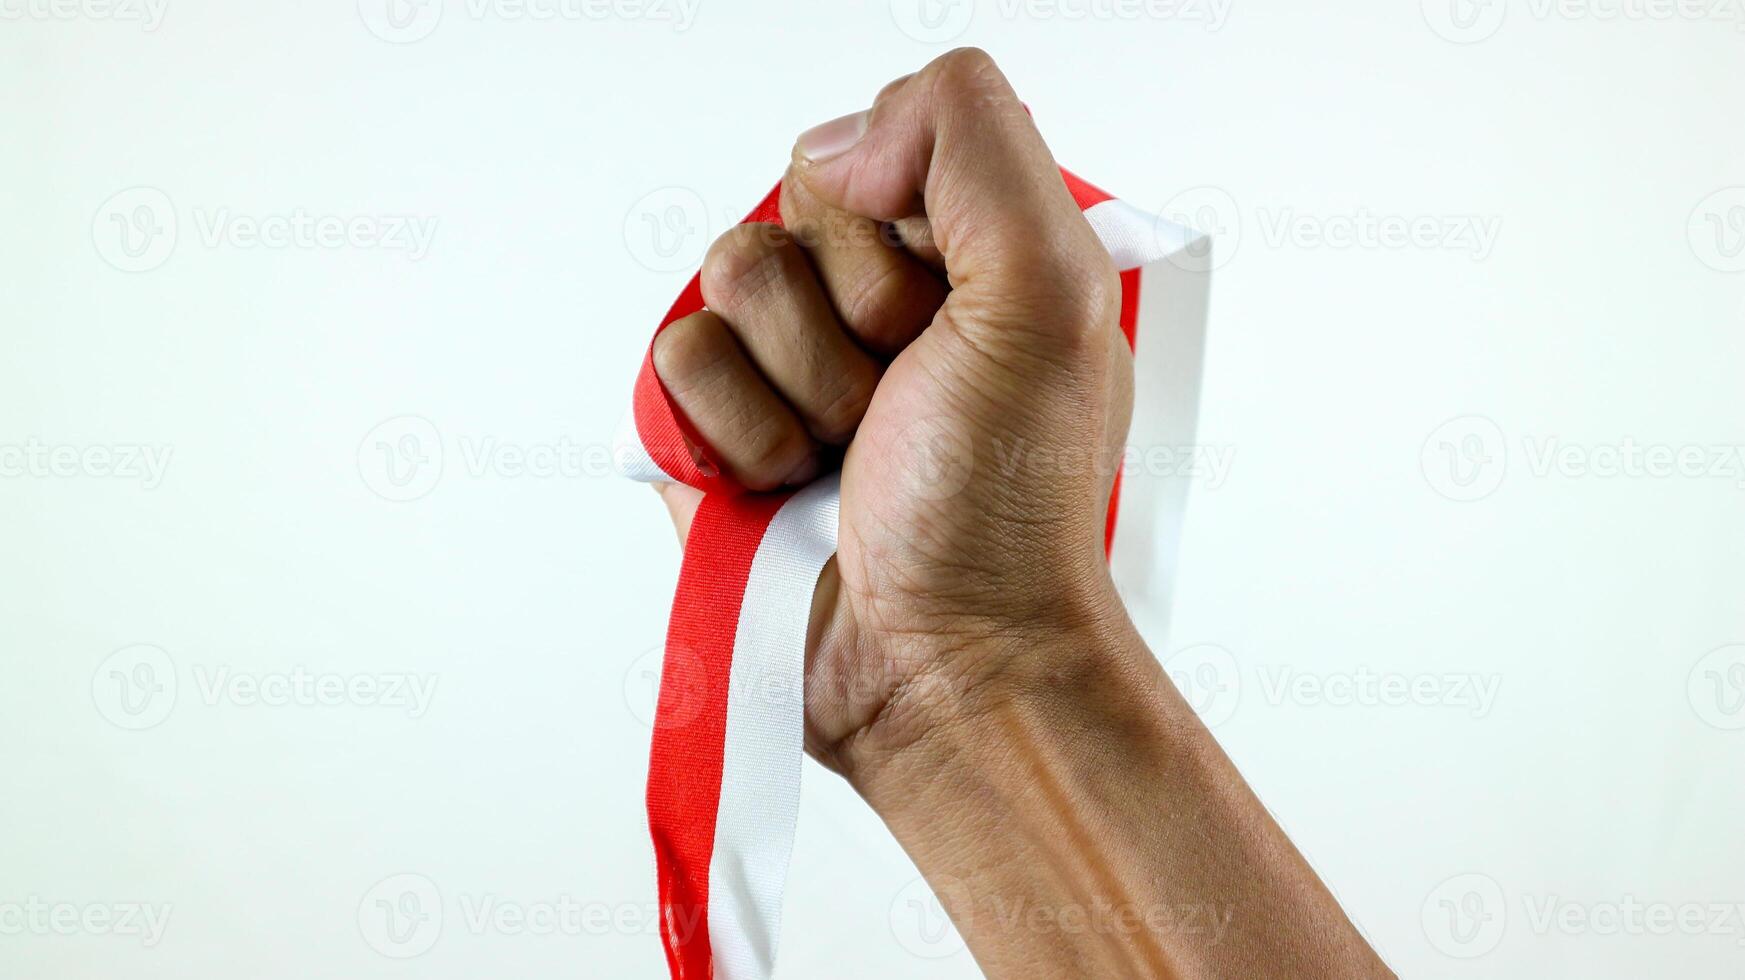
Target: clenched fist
{"x": 933, "y": 301}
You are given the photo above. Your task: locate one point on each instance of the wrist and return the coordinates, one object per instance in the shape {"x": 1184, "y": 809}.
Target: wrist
{"x": 986, "y": 688}
{"x": 1034, "y": 789}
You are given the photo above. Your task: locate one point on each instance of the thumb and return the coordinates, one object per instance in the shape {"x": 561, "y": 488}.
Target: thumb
{"x": 953, "y": 142}
{"x": 681, "y": 505}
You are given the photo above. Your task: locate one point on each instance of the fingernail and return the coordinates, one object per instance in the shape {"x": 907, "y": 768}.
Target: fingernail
{"x": 804, "y": 473}
{"x": 833, "y": 138}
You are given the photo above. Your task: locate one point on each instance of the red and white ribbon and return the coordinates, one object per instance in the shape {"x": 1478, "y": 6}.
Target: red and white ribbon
{"x": 724, "y": 769}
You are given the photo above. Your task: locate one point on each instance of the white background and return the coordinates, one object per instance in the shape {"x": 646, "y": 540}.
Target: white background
{"x": 1584, "y": 820}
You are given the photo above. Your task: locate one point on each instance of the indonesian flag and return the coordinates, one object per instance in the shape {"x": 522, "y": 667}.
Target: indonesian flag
{"x": 724, "y": 769}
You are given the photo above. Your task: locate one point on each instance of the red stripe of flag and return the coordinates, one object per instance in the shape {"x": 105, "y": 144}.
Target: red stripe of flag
{"x": 684, "y": 768}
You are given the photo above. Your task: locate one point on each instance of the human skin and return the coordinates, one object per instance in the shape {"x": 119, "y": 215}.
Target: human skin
{"x": 970, "y": 668}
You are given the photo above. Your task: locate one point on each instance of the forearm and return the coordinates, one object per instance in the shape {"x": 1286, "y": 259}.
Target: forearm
{"x": 1078, "y": 821}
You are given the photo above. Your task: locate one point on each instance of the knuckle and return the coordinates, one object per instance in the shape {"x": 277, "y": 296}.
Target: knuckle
{"x": 770, "y": 448}
{"x": 891, "y": 88}
{"x": 743, "y": 262}
{"x": 880, "y": 288}
{"x": 1072, "y": 305}
{"x": 1078, "y": 279}
{"x": 1099, "y": 294}
{"x": 690, "y": 349}
{"x": 885, "y": 301}
{"x": 967, "y": 74}
{"x": 836, "y": 421}
{"x": 970, "y": 65}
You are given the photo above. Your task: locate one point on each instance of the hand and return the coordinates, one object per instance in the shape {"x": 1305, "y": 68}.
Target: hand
{"x": 937, "y": 307}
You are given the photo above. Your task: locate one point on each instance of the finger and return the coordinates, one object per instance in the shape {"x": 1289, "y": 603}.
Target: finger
{"x": 760, "y": 282}
{"x": 747, "y": 427}
{"x": 955, "y": 143}
{"x": 681, "y": 505}
{"x": 883, "y": 295}
{"x": 916, "y": 234}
